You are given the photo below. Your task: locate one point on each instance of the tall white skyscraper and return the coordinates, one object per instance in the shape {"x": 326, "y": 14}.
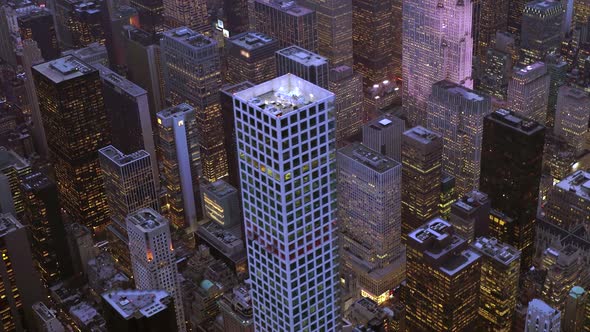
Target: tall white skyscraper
{"x": 438, "y": 45}
{"x": 285, "y": 137}
{"x": 528, "y": 92}
{"x": 152, "y": 257}
{"x": 457, "y": 114}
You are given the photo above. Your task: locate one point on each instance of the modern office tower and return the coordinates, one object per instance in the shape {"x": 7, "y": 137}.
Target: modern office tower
{"x": 46, "y": 319}
{"x": 345, "y": 84}
{"x": 84, "y": 23}
{"x": 236, "y": 16}
{"x": 572, "y": 116}
{"x": 38, "y": 25}
{"x": 13, "y": 167}
{"x": 151, "y": 14}
{"x": 139, "y": 310}
{"x": 442, "y": 272}
{"x": 190, "y": 62}
{"x": 288, "y": 22}
{"x": 558, "y": 70}
{"x": 369, "y": 188}
{"x": 437, "y": 46}
{"x": 447, "y": 196}
{"x": 541, "y": 32}
{"x": 384, "y": 135}
{"x": 303, "y": 63}
{"x": 372, "y": 33}
{"x": 581, "y": 12}
{"x": 528, "y": 92}
{"x": 492, "y": 18}
{"x": 19, "y": 282}
{"x": 152, "y": 257}
{"x": 236, "y": 309}
{"x": 144, "y": 66}
{"x": 31, "y": 56}
{"x": 6, "y": 200}
{"x": 515, "y": 13}
{"x": 457, "y": 113}
{"x": 128, "y": 110}
{"x": 191, "y": 14}
{"x": 497, "y": 66}
{"x": 470, "y": 215}
{"x": 541, "y": 317}
{"x": 421, "y": 174}
{"x": 250, "y": 57}
{"x": 221, "y": 203}
{"x": 76, "y": 126}
{"x": 297, "y": 237}
{"x": 229, "y": 128}
{"x": 7, "y": 40}
{"x": 334, "y": 25}
{"x": 574, "y": 315}
{"x": 43, "y": 216}
{"x": 129, "y": 186}
{"x": 119, "y": 16}
{"x": 564, "y": 272}
{"x": 181, "y": 161}
{"x": 501, "y": 226}
{"x": 510, "y": 173}
{"x": 498, "y": 293}
{"x": 81, "y": 247}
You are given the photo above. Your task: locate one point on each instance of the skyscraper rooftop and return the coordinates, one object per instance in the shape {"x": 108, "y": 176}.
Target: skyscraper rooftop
{"x": 290, "y": 7}
{"x": 173, "y": 111}
{"x": 438, "y": 241}
{"x": 8, "y": 223}
{"x": 456, "y": 89}
{"x": 511, "y": 119}
{"x": 120, "y": 158}
{"x": 252, "y": 40}
{"x": 35, "y": 181}
{"x": 368, "y": 157}
{"x": 530, "y": 72}
{"x": 578, "y": 183}
{"x": 303, "y": 56}
{"x": 471, "y": 201}
{"x": 11, "y": 158}
{"x": 113, "y": 79}
{"x": 283, "y": 95}
{"x": 147, "y": 220}
{"x": 137, "y": 303}
{"x": 190, "y": 38}
{"x": 543, "y": 8}
{"x": 422, "y": 134}
{"x": 496, "y": 250}
{"x": 63, "y": 69}
{"x": 220, "y": 188}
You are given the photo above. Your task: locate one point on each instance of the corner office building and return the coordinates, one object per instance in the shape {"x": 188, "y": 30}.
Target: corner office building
{"x": 443, "y": 276}
{"x": 76, "y": 126}
{"x": 369, "y": 190}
